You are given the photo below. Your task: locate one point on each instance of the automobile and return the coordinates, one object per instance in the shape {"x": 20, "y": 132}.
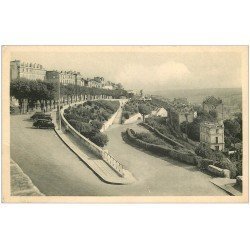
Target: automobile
{"x": 43, "y": 123}
{"x": 34, "y": 116}
{"x": 41, "y": 115}
{"x": 44, "y": 117}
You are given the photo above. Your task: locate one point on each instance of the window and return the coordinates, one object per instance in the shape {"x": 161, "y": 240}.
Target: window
{"x": 216, "y": 139}
{"x": 217, "y": 148}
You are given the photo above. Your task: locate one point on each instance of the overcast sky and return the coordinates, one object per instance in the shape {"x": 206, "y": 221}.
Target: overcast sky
{"x": 147, "y": 70}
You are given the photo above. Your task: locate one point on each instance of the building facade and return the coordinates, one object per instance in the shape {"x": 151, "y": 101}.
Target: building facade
{"x": 213, "y": 135}
{"x": 64, "y": 77}
{"x": 30, "y": 71}
{"x": 53, "y": 76}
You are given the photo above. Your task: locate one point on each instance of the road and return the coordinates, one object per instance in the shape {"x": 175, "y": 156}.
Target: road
{"x": 56, "y": 171}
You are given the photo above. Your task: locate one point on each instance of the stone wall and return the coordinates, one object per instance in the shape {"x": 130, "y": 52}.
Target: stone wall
{"x": 133, "y": 119}
{"x": 110, "y": 121}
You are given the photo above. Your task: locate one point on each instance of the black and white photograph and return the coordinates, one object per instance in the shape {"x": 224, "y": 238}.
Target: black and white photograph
{"x": 126, "y": 123}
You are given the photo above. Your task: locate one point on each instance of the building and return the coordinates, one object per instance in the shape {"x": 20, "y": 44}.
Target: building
{"x": 180, "y": 111}
{"x": 78, "y": 78}
{"x": 213, "y": 135}
{"x": 30, "y": 71}
{"x": 64, "y": 77}
{"x": 161, "y": 112}
{"x": 52, "y": 76}
{"x": 214, "y": 104}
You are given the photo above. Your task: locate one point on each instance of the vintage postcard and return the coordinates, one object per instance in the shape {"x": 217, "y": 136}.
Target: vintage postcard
{"x": 125, "y": 124}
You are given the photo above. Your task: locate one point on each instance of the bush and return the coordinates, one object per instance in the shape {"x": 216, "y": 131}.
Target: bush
{"x": 96, "y": 124}
{"x": 99, "y": 139}
{"x": 149, "y": 138}
{"x": 126, "y": 114}
{"x": 203, "y": 163}
{"x": 86, "y": 129}
{"x": 205, "y": 151}
{"x": 228, "y": 165}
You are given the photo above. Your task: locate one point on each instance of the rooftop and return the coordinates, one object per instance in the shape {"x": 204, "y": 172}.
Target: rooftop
{"x": 212, "y": 125}
{"x": 211, "y": 100}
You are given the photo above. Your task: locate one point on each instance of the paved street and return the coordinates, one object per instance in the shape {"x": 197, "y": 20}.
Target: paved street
{"x": 55, "y": 170}
{"x": 158, "y": 176}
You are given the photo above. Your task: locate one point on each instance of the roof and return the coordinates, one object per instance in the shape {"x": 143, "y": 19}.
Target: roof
{"x": 211, "y": 100}
{"x": 212, "y": 125}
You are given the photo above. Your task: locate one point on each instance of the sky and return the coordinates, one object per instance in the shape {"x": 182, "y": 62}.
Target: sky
{"x": 148, "y": 70}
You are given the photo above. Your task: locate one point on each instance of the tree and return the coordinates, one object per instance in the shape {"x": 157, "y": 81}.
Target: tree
{"x": 232, "y": 129}
{"x": 144, "y": 110}
{"x": 192, "y": 129}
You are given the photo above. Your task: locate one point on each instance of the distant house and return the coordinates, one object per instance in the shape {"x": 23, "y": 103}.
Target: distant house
{"x": 213, "y": 134}
{"x": 161, "y": 112}
{"x": 214, "y": 104}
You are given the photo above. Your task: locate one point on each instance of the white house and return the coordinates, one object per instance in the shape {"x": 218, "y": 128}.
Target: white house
{"x": 161, "y": 112}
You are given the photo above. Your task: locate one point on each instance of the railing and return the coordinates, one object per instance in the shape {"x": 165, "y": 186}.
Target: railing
{"x": 117, "y": 166}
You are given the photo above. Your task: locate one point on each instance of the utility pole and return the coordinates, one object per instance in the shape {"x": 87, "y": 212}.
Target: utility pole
{"x": 59, "y": 106}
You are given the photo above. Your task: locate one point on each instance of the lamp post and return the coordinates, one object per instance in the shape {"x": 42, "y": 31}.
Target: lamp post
{"x": 59, "y": 108}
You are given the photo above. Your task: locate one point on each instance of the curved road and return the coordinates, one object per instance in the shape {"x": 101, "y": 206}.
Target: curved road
{"x": 56, "y": 171}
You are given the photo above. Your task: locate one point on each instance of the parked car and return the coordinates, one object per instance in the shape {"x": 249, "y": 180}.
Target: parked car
{"x": 43, "y": 123}
{"x": 41, "y": 115}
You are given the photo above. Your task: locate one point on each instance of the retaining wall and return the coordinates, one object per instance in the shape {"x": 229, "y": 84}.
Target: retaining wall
{"x": 133, "y": 119}
{"x": 110, "y": 121}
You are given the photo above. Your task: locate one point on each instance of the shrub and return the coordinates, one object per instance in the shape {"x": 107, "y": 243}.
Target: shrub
{"x": 203, "y": 163}
{"x": 227, "y": 165}
{"x": 99, "y": 139}
{"x": 96, "y": 124}
{"x": 149, "y": 138}
{"x": 86, "y": 129}
{"x": 204, "y": 151}
{"x": 126, "y": 114}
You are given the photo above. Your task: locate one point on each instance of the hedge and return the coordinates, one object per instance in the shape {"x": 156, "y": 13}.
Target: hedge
{"x": 165, "y": 138}
{"x": 162, "y": 150}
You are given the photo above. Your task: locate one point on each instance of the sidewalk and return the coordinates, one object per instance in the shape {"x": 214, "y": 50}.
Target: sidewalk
{"x": 21, "y": 184}
{"x": 229, "y": 185}
{"x": 97, "y": 165}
